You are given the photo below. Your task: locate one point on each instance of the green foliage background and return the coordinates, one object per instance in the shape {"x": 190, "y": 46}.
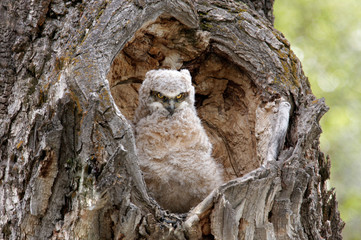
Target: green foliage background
{"x": 326, "y": 37}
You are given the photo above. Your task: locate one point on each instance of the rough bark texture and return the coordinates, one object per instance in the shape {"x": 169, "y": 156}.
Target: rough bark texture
{"x": 70, "y": 72}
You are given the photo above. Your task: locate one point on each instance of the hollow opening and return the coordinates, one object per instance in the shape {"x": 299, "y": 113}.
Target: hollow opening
{"x": 226, "y": 98}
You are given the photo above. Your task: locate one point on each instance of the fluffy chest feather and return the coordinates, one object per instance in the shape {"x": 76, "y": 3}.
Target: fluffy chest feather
{"x": 159, "y": 135}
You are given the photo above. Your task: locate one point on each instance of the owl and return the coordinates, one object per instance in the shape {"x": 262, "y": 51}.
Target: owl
{"x": 173, "y": 148}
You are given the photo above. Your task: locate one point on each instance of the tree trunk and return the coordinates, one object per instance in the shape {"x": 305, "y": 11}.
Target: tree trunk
{"x": 70, "y": 72}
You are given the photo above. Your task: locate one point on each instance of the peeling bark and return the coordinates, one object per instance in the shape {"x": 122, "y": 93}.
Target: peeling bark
{"x": 70, "y": 72}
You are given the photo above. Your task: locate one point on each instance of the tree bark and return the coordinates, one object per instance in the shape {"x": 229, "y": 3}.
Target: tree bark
{"x": 70, "y": 72}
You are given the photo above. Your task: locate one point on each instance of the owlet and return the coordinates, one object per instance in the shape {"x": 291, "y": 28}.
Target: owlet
{"x": 173, "y": 148}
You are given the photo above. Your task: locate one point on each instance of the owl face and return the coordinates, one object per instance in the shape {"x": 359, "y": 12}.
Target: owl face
{"x": 170, "y": 102}
{"x": 166, "y": 92}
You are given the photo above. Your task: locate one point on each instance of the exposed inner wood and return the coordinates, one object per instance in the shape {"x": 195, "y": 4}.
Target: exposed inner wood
{"x": 226, "y": 99}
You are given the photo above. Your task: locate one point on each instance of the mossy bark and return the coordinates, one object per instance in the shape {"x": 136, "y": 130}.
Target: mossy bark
{"x": 70, "y": 72}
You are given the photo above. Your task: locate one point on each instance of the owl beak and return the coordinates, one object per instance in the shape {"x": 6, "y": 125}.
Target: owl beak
{"x": 171, "y": 107}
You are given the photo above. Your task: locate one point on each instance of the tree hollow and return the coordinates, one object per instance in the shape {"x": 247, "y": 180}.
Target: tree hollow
{"x": 226, "y": 98}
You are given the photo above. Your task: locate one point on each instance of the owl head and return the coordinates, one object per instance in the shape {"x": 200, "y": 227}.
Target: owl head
{"x": 166, "y": 91}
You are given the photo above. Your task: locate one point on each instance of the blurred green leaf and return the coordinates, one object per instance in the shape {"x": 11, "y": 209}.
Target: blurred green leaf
{"x": 326, "y": 36}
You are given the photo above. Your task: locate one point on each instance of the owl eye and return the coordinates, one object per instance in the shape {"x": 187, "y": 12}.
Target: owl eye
{"x": 180, "y": 96}
{"x": 159, "y": 95}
